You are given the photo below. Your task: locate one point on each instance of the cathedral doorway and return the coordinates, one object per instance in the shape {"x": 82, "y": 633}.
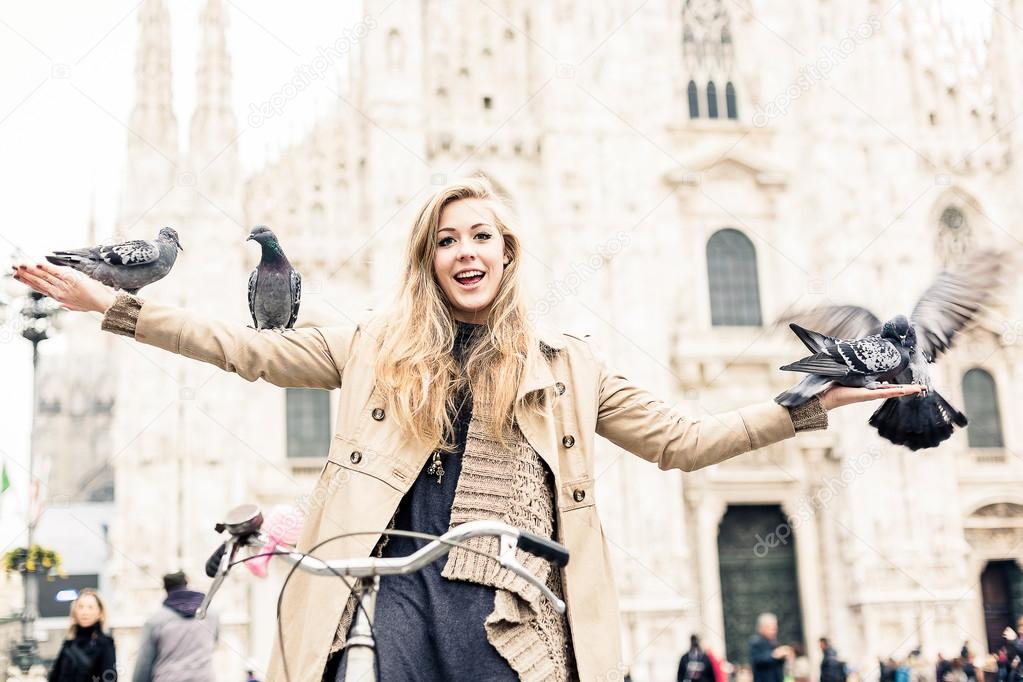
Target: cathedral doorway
{"x": 757, "y": 560}
{"x": 1001, "y": 587}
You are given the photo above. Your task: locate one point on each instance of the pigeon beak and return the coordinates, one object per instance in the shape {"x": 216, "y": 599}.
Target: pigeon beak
{"x": 250, "y": 238}
{"x": 180, "y": 247}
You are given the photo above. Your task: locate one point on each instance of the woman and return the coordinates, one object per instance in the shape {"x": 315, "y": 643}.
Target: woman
{"x": 454, "y": 408}
{"x": 87, "y": 654}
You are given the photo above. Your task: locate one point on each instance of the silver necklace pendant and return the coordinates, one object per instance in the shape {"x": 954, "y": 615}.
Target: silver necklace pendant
{"x": 436, "y": 468}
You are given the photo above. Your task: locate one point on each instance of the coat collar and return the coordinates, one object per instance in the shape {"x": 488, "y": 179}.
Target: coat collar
{"x": 537, "y": 375}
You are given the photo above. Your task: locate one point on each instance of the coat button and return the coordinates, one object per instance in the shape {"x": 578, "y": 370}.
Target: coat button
{"x": 356, "y": 457}
{"x": 568, "y": 441}
{"x": 560, "y": 387}
{"x": 578, "y": 494}
{"x": 378, "y": 414}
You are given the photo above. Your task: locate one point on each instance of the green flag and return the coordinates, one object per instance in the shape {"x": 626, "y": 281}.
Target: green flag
{"x": 5, "y": 481}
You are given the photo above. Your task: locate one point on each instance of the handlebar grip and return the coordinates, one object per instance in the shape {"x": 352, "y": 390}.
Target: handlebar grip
{"x": 553, "y": 551}
{"x": 213, "y": 563}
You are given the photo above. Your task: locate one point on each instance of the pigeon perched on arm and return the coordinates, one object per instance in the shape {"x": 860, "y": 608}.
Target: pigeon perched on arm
{"x": 129, "y": 265}
{"x": 922, "y": 420}
{"x": 275, "y": 288}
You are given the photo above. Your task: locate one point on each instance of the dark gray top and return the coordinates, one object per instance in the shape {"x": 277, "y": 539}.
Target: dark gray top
{"x": 429, "y": 628}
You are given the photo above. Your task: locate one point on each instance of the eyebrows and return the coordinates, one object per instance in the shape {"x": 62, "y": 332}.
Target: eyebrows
{"x": 451, "y": 229}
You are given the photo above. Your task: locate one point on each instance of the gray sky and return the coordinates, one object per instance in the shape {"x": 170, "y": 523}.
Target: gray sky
{"x": 66, "y": 70}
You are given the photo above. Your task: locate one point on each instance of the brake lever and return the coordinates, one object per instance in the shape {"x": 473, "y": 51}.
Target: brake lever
{"x": 226, "y": 559}
{"x": 508, "y": 560}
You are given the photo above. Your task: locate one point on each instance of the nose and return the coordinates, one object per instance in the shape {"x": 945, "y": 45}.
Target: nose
{"x": 466, "y": 250}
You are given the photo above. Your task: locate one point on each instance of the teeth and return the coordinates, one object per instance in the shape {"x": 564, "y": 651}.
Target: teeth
{"x": 468, "y": 273}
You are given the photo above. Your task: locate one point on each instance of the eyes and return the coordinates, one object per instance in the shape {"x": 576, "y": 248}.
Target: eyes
{"x": 447, "y": 241}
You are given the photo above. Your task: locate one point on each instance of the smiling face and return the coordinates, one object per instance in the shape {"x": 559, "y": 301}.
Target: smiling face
{"x": 469, "y": 258}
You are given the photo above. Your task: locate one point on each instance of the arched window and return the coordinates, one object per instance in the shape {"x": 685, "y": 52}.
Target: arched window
{"x": 694, "y": 100}
{"x": 712, "y": 100}
{"x": 981, "y": 405}
{"x": 730, "y": 104}
{"x": 308, "y": 421}
{"x": 732, "y": 280}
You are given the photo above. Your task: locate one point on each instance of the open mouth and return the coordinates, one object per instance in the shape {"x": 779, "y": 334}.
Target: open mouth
{"x": 470, "y": 279}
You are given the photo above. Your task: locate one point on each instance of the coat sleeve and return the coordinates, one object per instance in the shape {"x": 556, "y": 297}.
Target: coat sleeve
{"x": 146, "y": 655}
{"x": 108, "y": 663}
{"x": 636, "y": 421}
{"x": 310, "y": 357}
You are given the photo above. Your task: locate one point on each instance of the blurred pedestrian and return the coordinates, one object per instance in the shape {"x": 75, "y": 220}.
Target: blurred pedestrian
{"x": 250, "y": 676}
{"x": 87, "y": 653}
{"x": 175, "y": 646}
{"x": 696, "y": 665}
{"x": 765, "y": 656}
{"x": 832, "y": 669}
{"x": 799, "y": 665}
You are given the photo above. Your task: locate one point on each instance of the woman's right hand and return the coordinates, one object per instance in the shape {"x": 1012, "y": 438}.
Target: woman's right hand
{"x": 70, "y": 288}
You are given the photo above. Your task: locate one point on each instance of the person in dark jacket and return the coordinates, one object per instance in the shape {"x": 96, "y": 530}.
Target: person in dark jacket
{"x": 696, "y": 665}
{"x": 87, "y": 653}
{"x": 175, "y": 647}
{"x": 765, "y": 656}
{"x": 832, "y": 669}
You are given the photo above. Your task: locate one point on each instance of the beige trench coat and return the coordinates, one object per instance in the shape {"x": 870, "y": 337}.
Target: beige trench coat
{"x": 369, "y": 467}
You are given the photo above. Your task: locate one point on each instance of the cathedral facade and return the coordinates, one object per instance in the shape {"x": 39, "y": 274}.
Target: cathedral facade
{"x": 685, "y": 172}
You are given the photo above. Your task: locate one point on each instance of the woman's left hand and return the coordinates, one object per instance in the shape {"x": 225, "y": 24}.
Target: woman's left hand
{"x": 847, "y": 395}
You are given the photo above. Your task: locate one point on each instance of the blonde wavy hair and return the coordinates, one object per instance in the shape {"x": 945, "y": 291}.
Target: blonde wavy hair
{"x": 416, "y": 373}
{"x": 72, "y": 629}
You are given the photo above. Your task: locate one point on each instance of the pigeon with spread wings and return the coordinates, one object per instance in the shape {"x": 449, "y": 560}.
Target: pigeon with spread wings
{"x": 922, "y": 420}
{"x": 128, "y": 265}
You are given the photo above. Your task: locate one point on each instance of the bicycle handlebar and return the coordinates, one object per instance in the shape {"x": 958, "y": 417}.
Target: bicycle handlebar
{"x": 244, "y": 524}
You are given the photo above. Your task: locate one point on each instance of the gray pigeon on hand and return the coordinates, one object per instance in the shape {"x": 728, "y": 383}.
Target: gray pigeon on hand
{"x": 867, "y": 362}
{"x": 954, "y": 299}
{"x": 129, "y": 265}
{"x": 275, "y": 288}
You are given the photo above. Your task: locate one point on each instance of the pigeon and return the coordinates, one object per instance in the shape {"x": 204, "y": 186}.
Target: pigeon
{"x": 275, "y": 288}
{"x": 868, "y": 362}
{"x": 866, "y": 350}
{"x": 129, "y": 265}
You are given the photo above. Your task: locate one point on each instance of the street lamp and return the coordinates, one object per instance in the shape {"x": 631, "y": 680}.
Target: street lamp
{"x": 36, "y": 319}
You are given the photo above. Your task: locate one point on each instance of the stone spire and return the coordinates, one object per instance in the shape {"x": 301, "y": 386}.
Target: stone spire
{"x": 213, "y": 149}
{"x": 152, "y": 149}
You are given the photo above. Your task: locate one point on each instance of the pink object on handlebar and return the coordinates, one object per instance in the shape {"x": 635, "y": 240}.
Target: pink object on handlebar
{"x": 281, "y": 530}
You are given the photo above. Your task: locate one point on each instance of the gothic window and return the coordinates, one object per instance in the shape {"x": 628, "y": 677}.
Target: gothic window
{"x": 395, "y": 51}
{"x": 954, "y": 234}
{"x": 308, "y": 421}
{"x": 708, "y": 52}
{"x": 730, "y": 106}
{"x": 694, "y": 100}
{"x": 712, "y": 100}
{"x": 732, "y": 279}
{"x": 980, "y": 400}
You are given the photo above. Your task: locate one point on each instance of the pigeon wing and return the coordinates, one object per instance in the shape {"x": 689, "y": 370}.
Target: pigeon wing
{"x": 837, "y": 321}
{"x": 296, "y": 294}
{"x": 822, "y": 364}
{"x": 954, "y": 299}
{"x": 253, "y": 278}
{"x": 134, "y": 252}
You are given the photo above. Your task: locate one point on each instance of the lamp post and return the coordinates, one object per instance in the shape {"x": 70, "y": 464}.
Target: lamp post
{"x": 36, "y": 315}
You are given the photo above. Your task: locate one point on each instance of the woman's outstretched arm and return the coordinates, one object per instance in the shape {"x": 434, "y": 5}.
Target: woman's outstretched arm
{"x": 636, "y": 421}
{"x": 309, "y": 357}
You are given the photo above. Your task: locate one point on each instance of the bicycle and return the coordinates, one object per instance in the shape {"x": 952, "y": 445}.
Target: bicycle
{"x": 244, "y": 525}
